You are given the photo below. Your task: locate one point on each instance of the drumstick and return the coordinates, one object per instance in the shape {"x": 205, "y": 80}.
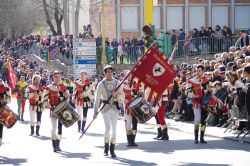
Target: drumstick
{"x": 110, "y": 97}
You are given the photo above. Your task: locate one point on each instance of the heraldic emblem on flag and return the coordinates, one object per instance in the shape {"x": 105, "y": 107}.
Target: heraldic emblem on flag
{"x": 155, "y": 72}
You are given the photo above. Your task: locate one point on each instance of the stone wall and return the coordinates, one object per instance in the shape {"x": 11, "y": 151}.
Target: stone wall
{"x": 55, "y": 65}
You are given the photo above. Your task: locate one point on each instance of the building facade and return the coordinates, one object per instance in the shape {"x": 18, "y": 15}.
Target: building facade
{"x": 125, "y": 18}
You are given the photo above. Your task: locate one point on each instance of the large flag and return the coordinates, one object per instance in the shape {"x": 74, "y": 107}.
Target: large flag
{"x": 12, "y": 78}
{"x": 155, "y": 72}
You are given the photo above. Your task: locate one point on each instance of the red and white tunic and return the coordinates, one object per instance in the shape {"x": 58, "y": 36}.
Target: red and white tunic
{"x": 196, "y": 86}
{"x": 82, "y": 93}
{"x": 54, "y": 94}
{"x": 129, "y": 94}
{"x": 32, "y": 94}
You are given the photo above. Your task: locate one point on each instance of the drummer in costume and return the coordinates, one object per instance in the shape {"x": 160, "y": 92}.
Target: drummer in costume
{"x": 196, "y": 89}
{"x": 34, "y": 93}
{"x": 130, "y": 120}
{"x": 20, "y": 95}
{"x": 5, "y": 98}
{"x": 110, "y": 112}
{"x": 55, "y": 94}
{"x": 160, "y": 117}
{"x": 82, "y": 95}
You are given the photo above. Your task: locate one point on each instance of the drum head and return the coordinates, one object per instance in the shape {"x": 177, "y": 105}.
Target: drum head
{"x": 60, "y": 106}
{"x": 135, "y": 102}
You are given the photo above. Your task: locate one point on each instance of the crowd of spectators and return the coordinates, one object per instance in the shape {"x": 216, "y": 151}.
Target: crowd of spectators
{"x": 229, "y": 86}
{"x": 225, "y": 71}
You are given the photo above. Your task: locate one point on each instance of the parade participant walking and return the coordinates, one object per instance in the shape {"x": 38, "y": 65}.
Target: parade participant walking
{"x": 20, "y": 95}
{"x": 110, "y": 112}
{"x": 198, "y": 87}
{"x": 82, "y": 95}
{"x": 160, "y": 118}
{"x": 5, "y": 98}
{"x": 34, "y": 93}
{"x": 130, "y": 120}
{"x": 55, "y": 94}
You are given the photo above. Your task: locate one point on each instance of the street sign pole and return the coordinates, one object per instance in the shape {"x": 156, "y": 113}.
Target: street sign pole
{"x": 74, "y": 37}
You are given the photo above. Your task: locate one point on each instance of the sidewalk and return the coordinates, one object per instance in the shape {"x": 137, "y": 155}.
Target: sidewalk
{"x": 211, "y": 131}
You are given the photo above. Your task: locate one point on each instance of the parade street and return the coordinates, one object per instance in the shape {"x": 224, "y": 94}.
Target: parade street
{"x": 21, "y": 149}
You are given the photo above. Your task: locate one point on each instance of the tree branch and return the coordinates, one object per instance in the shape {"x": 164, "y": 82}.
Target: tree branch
{"x": 48, "y": 19}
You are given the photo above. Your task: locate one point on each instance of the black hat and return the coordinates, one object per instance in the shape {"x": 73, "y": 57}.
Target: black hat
{"x": 243, "y": 31}
{"x": 230, "y": 64}
{"x": 247, "y": 69}
{"x": 222, "y": 68}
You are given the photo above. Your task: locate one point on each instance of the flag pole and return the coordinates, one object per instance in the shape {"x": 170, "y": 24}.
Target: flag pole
{"x": 110, "y": 97}
{"x": 104, "y": 59}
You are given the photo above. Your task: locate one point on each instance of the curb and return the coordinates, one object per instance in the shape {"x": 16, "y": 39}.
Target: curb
{"x": 214, "y": 136}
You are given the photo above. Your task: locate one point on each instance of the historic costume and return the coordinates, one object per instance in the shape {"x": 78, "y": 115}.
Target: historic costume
{"x": 82, "y": 95}
{"x": 5, "y": 98}
{"x": 130, "y": 120}
{"x": 196, "y": 88}
{"x": 54, "y": 95}
{"x": 110, "y": 112}
{"x": 160, "y": 117}
{"x": 20, "y": 95}
{"x": 35, "y": 95}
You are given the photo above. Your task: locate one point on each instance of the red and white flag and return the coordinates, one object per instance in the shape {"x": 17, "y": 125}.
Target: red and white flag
{"x": 11, "y": 77}
{"x": 155, "y": 72}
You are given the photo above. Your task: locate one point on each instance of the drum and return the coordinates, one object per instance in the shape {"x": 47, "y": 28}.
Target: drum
{"x": 141, "y": 110}
{"x": 66, "y": 114}
{"x": 210, "y": 103}
{"x": 7, "y": 117}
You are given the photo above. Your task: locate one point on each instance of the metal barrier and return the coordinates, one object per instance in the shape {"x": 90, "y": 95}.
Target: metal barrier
{"x": 120, "y": 55}
{"x": 131, "y": 54}
{"x": 204, "y": 46}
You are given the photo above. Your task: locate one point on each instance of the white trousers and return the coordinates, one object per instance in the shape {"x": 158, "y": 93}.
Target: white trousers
{"x": 55, "y": 127}
{"x": 197, "y": 116}
{"x": 128, "y": 118}
{"x": 79, "y": 111}
{"x": 33, "y": 115}
{"x": 110, "y": 120}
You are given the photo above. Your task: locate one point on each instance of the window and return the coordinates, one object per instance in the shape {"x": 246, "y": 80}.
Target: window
{"x": 129, "y": 18}
{"x": 174, "y": 18}
{"x": 242, "y": 19}
{"x": 196, "y": 17}
{"x": 219, "y": 16}
{"x": 157, "y": 17}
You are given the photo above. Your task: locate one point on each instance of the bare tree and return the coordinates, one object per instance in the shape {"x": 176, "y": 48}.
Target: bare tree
{"x": 17, "y": 18}
{"x": 58, "y": 16}
{"x": 78, "y": 2}
{"x": 66, "y": 16}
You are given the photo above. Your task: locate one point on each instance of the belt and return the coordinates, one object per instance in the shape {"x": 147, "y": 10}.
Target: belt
{"x": 104, "y": 101}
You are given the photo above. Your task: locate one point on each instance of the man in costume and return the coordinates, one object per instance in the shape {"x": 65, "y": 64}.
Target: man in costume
{"x": 160, "y": 118}
{"x": 82, "y": 97}
{"x": 110, "y": 112}
{"x": 55, "y": 94}
{"x": 198, "y": 87}
{"x": 34, "y": 93}
{"x": 20, "y": 95}
{"x": 5, "y": 98}
{"x": 130, "y": 120}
